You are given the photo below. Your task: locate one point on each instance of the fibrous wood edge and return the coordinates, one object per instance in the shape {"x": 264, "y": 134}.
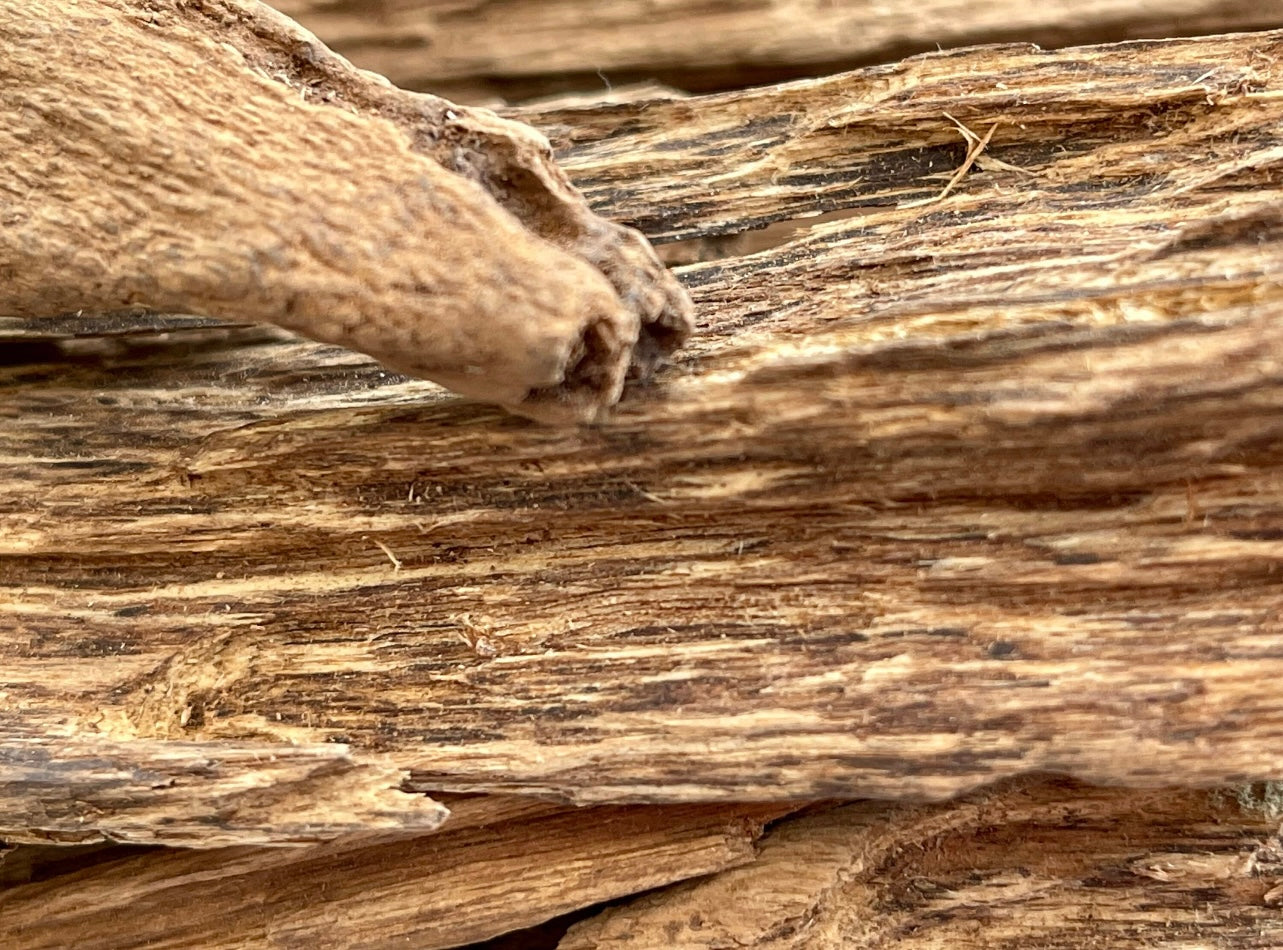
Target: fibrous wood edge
{"x": 948, "y": 490}
{"x": 520, "y": 47}
{"x": 1034, "y": 864}
{"x": 1080, "y": 134}
{"x": 373, "y": 891}
{"x": 196, "y": 794}
{"x": 168, "y": 175}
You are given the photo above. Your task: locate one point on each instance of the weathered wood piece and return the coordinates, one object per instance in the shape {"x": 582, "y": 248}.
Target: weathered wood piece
{"x": 198, "y": 794}
{"x": 368, "y": 891}
{"x": 1035, "y": 864}
{"x": 519, "y": 47}
{"x": 213, "y": 158}
{"x": 947, "y": 490}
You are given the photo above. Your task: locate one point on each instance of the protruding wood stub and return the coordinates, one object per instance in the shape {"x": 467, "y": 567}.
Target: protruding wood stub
{"x": 213, "y": 158}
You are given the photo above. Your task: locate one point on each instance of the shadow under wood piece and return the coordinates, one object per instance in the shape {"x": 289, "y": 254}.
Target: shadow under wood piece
{"x": 213, "y": 158}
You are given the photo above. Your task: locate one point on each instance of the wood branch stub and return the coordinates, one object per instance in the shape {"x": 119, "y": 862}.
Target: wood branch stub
{"x": 943, "y": 493}
{"x": 1036, "y": 864}
{"x": 151, "y": 163}
{"x": 363, "y": 891}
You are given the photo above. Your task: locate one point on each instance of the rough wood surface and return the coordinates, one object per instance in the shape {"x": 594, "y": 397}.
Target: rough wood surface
{"x": 519, "y": 47}
{"x": 1043, "y": 865}
{"x": 364, "y": 891}
{"x": 948, "y": 489}
{"x": 212, "y": 158}
{"x": 198, "y": 794}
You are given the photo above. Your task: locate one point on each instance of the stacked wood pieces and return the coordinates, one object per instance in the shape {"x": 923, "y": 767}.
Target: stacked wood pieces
{"x": 1040, "y": 863}
{"x": 972, "y": 472}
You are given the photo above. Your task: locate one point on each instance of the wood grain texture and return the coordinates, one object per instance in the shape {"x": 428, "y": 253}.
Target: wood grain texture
{"x": 947, "y": 490}
{"x": 153, "y": 161}
{"x": 1036, "y": 864}
{"x": 198, "y": 794}
{"x": 521, "y": 47}
{"x": 375, "y": 891}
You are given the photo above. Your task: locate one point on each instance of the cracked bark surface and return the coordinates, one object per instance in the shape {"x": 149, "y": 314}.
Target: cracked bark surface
{"x": 214, "y": 158}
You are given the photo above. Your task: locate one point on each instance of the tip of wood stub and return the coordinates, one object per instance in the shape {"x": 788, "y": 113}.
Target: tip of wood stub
{"x": 603, "y": 359}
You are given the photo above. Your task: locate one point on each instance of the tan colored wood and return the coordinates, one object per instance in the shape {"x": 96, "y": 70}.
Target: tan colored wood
{"x": 1043, "y": 865}
{"x": 519, "y": 47}
{"x": 198, "y": 794}
{"x": 945, "y": 491}
{"x": 363, "y": 891}
{"x": 1081, "y": 137}
{"x": 212, "y": 158}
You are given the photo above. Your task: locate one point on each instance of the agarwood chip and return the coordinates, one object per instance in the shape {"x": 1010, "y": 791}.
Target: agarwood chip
{"x": 214, "y": 158}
